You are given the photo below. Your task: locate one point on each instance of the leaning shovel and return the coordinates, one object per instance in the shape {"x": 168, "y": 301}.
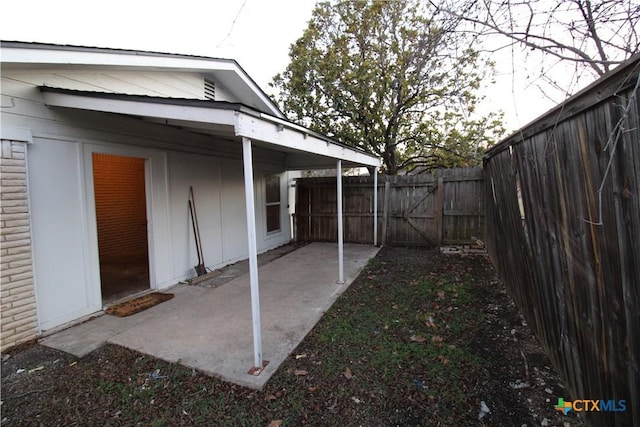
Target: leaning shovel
{"x": 200, "y": 268}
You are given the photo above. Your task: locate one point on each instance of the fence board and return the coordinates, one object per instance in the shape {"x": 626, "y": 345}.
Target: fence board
{"x": 563, "y": 221}
{"x": 426, "y": 210}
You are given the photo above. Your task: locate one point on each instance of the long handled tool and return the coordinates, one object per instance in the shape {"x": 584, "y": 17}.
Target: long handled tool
{"x": 200, "y": 268}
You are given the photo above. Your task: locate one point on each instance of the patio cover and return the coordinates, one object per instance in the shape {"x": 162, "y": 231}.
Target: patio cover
{"x": 234, "y": 122}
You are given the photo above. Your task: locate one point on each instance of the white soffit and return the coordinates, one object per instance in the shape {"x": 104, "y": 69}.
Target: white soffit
{"x": 271, "y": 132}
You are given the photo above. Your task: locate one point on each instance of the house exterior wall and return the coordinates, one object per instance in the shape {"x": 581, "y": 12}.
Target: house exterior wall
{"x": 18, "y": 308}
{"x": 63, "y": 226}
{"x": 162, "y": 84}
{"x": 159, "y": 84}
{"x": 222, "y": 93}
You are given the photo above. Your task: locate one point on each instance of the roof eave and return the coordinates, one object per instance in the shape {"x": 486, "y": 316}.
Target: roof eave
{"x": 246, "y": 122}
{"x": 41, "y": 55}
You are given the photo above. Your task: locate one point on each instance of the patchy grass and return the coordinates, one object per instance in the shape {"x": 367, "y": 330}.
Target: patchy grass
{"x": 399, "y": 338}
{"x": 418, "y": 339}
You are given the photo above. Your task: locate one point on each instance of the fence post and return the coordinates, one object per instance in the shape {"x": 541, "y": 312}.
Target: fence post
{"x": 385, "y": 211}
{"x": 439, "y": 213}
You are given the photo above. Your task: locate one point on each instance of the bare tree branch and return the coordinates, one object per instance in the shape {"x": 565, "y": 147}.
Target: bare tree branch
{"x": 595, "y": 33}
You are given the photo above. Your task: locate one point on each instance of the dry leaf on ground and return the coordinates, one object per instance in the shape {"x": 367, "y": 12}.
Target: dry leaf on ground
{"x": 429, "y": 323}
{"x": 347, "y": 373}
{"x": 437, "y": 340}
{"x": 417, "y": 338}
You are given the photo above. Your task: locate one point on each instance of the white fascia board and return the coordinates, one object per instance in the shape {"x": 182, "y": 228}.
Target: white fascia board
{"x": 143, "y": 109}
{"x": 291, "y": 136}
{"x": 108, "y": 58}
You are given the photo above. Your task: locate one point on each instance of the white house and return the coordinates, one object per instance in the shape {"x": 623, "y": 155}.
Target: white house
{"x": 100, "y": 148}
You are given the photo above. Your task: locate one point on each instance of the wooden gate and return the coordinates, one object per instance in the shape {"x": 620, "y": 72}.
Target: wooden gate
{"x": 409, "y": 211}
{"x": 424, "y": 210}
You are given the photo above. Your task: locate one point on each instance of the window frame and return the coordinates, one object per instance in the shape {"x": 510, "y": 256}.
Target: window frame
{"x": 270, "y": 204}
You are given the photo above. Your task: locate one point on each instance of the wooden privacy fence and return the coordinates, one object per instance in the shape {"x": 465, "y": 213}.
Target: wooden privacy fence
{"x": 446, "y": 207}
{"x": 563, "y": 225}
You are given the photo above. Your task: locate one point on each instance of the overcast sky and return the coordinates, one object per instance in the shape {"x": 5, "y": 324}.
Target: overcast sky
{"x": 256, "y": 33}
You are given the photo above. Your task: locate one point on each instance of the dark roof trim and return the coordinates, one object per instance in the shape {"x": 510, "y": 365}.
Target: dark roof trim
{"x": 617, "y": 80}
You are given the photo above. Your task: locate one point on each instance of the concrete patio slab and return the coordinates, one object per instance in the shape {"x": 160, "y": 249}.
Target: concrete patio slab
{"x": 210, "y": 329}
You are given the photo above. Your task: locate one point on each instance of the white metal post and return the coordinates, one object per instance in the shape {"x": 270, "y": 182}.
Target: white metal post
{"x": 340, "y": 243}
{"x": 253, "y": 252}
{"x": 375, "y": 206}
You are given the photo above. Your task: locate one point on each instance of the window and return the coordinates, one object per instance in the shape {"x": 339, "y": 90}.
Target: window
{"x": 273, "y": 202}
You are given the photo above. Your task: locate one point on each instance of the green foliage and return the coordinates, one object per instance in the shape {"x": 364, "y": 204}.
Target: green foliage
{"x": 393, "y": 78}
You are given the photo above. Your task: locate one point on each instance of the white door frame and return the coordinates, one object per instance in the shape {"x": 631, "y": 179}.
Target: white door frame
{"x": 93, "y": 257}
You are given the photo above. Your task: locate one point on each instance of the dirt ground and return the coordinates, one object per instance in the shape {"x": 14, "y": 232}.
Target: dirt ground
{"x": 420, "y": 338}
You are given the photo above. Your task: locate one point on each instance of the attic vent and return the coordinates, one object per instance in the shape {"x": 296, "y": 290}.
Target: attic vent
{"x": 209, "y": 89}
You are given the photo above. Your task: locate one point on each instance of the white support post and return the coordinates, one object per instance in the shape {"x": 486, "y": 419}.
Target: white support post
{"x": 253, "y": 254}
{"x": 375, "y": 206}
{"x": 340, "y": 238}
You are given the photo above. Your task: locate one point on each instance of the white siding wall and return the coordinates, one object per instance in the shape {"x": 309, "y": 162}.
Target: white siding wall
{"x": 59, "y": 232}
{"x": 64, "y": 233}
{"x": 161, "y": 84}
{"x": 234, "y": 234}
{"x": 222, "y": 94}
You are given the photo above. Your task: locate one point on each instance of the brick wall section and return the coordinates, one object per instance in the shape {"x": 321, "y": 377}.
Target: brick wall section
{"x": 18, "y": 315}
{"x": 120, "y": 206}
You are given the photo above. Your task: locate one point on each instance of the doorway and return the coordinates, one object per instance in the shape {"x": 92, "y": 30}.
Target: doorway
{"x": 121, "y": 217}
